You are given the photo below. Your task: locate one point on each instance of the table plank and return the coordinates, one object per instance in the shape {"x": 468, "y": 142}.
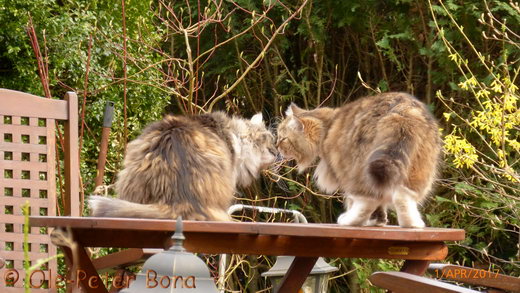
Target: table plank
{"x": 480, "y": 277}
{"x": 305, "y": 240}
{"x": 278, "y": 229}
{"x": 408, "y": 283}
{"x": 199, "y": 242}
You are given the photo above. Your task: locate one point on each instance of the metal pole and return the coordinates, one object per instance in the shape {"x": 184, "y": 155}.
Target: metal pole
{"x": 108, "y": 116}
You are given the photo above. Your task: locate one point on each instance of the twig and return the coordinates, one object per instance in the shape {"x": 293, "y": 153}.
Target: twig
{"x": 258, "y": 58}
{"x": 191, "y": 73}
{"x": 85, "y": 91}
{"x": 43, "y": 73}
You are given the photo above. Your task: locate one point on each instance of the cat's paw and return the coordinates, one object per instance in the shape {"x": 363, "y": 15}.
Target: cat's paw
{"x": 416, "y": 223}
{"x": 347, "y": 219}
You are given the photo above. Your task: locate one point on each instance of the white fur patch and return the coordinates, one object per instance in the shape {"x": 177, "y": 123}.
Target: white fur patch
{"x": 289, "y": 111}
{"x": 324, "y": 179}
{"x": 360, "y": 210}
{"x": 405, "y": 204}
{"x": 257, "y": 119}
{"x": 248, "y": 160}
{"x": 99, "y": 204}
{"x": 93, "y": 201}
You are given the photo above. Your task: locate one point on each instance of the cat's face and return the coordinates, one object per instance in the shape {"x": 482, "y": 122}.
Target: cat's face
{"x": 263, "y": 141}
{"x": 298, "y": 136}
{"x": 255, "y": 148}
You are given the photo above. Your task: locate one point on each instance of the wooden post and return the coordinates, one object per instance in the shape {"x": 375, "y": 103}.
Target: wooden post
{"x": 72, "y": 203}
{"x": 296, "y": 275}
{"x": 416, "y": 267}
{"x": 103, "y": 149}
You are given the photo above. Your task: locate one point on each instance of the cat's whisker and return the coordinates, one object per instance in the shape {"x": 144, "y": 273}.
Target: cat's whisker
{"x": 282, "y": 185}
{"x": 278, "y": 164}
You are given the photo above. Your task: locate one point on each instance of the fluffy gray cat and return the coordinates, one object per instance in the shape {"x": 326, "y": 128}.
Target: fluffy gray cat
{"x": 188, "y": 166}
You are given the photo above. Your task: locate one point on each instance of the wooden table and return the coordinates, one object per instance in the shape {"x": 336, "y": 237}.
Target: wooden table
{"x": 305, "y": 241}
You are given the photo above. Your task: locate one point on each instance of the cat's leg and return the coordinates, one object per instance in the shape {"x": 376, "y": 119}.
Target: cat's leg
{"x": 359, "y": 210}
{"x": 378, "y": 217}
{"x": 405, "y": 203}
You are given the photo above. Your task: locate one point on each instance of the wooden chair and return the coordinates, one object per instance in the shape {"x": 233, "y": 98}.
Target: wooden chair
{"x": 28, "y": 174}
{"x": 404, "y": 282}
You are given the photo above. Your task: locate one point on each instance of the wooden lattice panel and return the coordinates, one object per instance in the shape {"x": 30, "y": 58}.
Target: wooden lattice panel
{"x": 28, "y": 174}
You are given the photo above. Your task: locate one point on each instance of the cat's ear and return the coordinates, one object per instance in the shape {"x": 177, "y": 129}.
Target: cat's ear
{"x": 257, "y": 119}
{"x": 293, "y": 109}
{"x": 295, "y": 123}
{"x": 296, "y": 110}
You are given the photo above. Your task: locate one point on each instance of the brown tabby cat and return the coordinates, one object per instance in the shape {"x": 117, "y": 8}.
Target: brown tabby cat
{"x": 189, "y": 167}
{"x": 379, "y": 150}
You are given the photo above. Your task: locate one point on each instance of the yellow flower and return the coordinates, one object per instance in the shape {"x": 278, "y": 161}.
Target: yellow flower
{"x": 464, "y": 152}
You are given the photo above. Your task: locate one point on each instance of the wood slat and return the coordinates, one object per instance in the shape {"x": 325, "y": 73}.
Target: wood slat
{"x": 261, "y": 238}
{"x": 17, "y": 290}
{"x": 18, "y": 255}
{"x": 310, "y": 246}
{"x": 22, "y": 183}
{"x": 275, "y": 229}
{"x": 51, "y": 172}
{"x": 71, "y": 196}
{"x": 18, "y": 219}
{"x": 37, "y": 277}
{"x": 119, "y": 259}
{"x": 24, "y": 165}
{"x": 23, "y": 129}
{"x": 211, "y": 243}
{"x": 13, "y": 219}
{"x": 26, "y": 105}
{"x": 34, "y": 202}
{"x": 33, "y": 238}
{"x": 473, "y": 276}
{"x": 23, "y": 147}
{"x": 408, "y": 283}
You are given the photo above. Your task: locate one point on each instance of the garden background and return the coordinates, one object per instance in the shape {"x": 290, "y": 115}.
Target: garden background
{"x": 184, "y": 57}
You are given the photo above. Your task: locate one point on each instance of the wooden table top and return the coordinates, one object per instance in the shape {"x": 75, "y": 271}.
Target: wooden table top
{"x": 255, "y": 228}
{"x": 329, "y": 240}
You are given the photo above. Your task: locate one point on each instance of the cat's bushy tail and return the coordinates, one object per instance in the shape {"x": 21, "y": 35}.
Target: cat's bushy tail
{"x": 101, "y": 206}
{"x": 388, "y": 165}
